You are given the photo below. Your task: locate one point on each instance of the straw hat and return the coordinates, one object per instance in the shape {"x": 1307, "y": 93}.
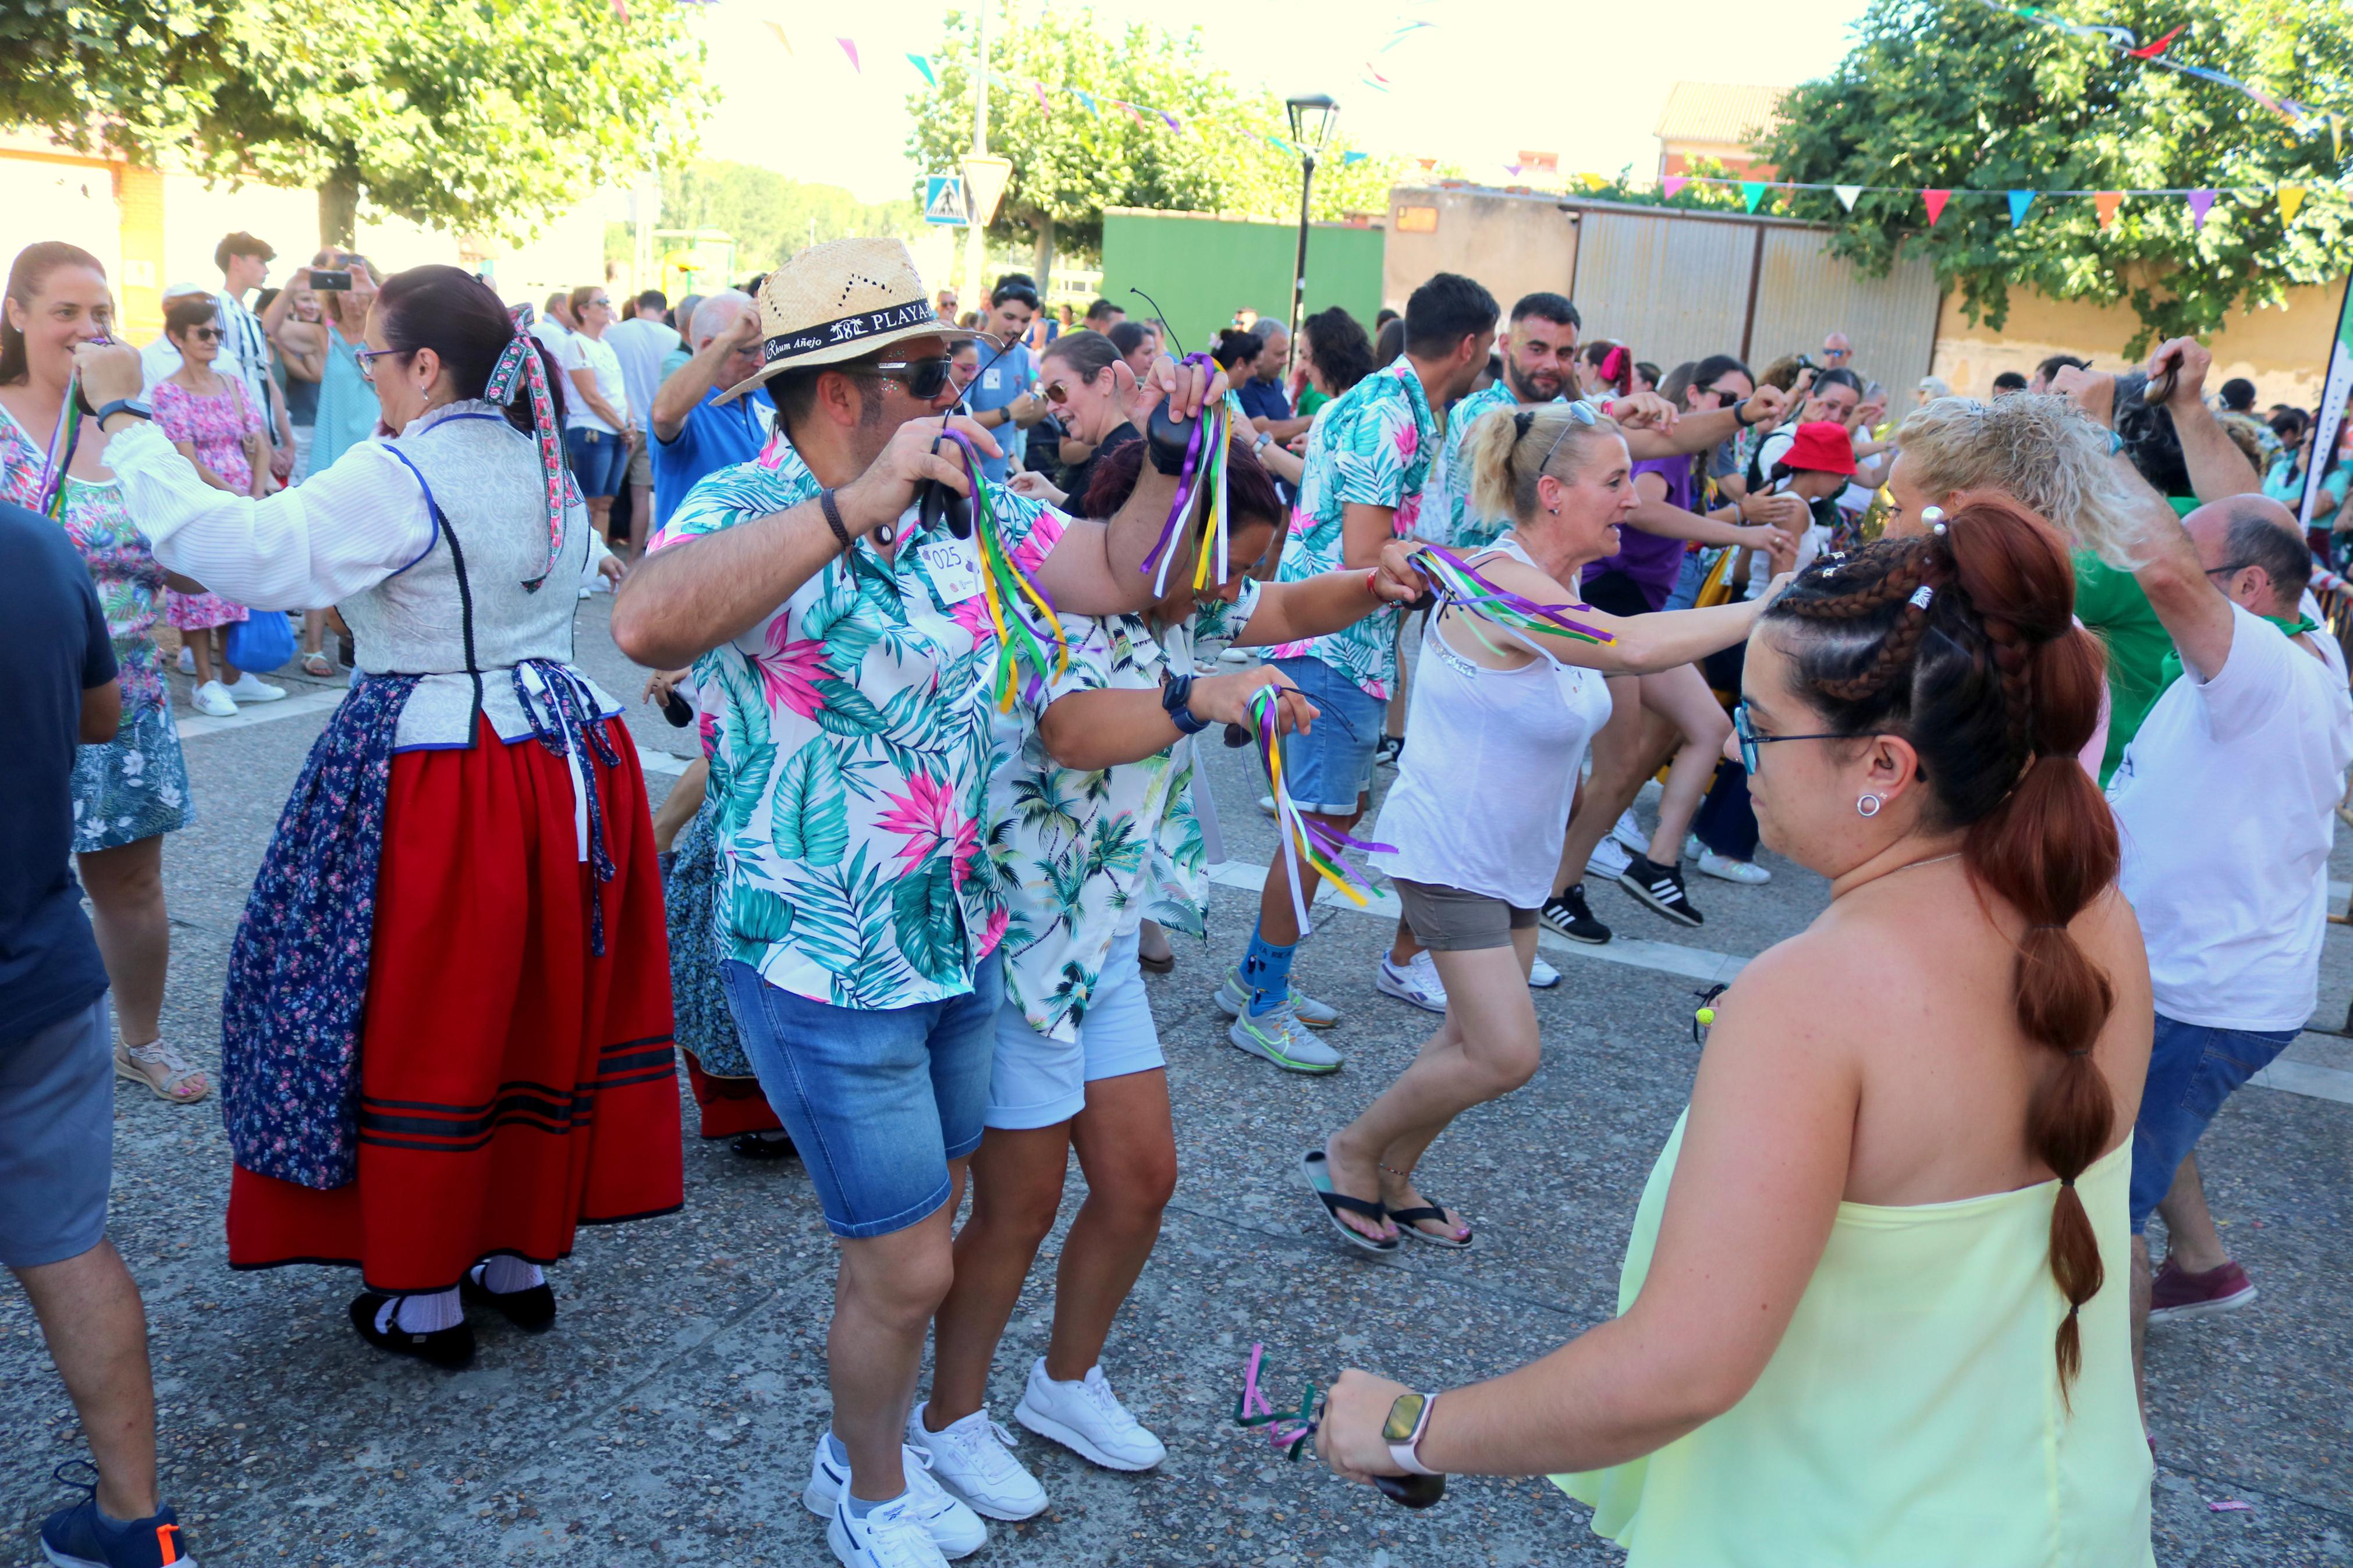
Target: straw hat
{"x": 842, "y": 300}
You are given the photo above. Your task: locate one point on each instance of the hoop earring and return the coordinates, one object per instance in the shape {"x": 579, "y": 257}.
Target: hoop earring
{"x": 1867, "y": 807}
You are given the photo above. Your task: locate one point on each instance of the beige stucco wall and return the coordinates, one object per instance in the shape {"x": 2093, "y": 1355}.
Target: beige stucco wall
{"x": 2283, "y": 349}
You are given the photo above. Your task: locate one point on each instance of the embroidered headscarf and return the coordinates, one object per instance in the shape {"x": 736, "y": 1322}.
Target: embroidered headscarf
{"x": 520, "y": 372}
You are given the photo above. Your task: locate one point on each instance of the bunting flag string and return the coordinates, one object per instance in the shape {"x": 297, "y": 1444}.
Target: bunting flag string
{"x": 2200, "y": 199}
{"x": 2121, "y": 40}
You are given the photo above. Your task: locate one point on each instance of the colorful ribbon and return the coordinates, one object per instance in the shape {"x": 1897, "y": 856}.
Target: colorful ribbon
{"x": 1254, "y": 1410}
{"x": 1005, "y": 585}
{"x": 1325, "y": 847}
{"x": 50, "y": 502}
{"x": 519, "y": 371}
{"x": 1460, "y": 584}
{"x": 1203, "y": 478}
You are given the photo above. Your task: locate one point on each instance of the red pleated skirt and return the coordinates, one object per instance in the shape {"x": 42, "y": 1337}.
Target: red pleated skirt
{"x": 513, "y": 1086}
{"x": 729, "y": 1105}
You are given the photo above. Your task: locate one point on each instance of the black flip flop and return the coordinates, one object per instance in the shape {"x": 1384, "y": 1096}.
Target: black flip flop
{"x": 1407, "y": 1224}
{"x": 1317, "y": 1169}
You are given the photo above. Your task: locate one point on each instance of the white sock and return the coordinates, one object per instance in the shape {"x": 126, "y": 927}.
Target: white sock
{"x": 505, "y": 1276}
{"x": 421, "y": 1314}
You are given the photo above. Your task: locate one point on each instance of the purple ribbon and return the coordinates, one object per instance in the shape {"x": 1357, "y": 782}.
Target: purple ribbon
{"x": 519, "y": 370}
{"x": 1196, "y": 452}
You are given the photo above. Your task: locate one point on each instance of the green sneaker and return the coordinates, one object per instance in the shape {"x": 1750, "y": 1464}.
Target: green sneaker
{"x": 1233, "y": 1000}
{"x": 1281, "y": 1038}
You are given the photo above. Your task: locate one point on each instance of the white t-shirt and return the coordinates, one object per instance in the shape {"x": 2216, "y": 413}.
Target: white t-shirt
{"x": 640, "y": 344}
{"x": 581, "y": 351}
{"x": 2225, "y": 801}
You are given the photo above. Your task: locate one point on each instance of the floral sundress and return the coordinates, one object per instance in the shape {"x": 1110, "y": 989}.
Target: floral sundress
{"x": 216, "y": 426}
{"x": 135, "y": 785}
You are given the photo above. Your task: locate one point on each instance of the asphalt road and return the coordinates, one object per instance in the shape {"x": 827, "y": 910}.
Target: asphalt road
{"x": 668, "y": 1417}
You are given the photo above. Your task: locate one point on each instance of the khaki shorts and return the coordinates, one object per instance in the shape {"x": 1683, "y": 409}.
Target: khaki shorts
{"x": 641, "y": 462}
{"x": 1447, "y": 920}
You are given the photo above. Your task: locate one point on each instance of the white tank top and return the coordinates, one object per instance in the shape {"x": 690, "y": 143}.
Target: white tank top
{"x": 1490, "y": 762}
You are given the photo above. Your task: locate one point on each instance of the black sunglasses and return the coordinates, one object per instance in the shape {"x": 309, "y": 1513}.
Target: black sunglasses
{"x": 206, "y": 334}
{"x": 924, "y": 379}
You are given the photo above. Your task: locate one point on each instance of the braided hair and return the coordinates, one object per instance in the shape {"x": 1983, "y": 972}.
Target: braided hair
{"x": 1964, "y": 643}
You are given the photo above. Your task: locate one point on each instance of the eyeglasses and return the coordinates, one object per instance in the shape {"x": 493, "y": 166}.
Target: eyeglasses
{"x": 1837, "y": 353}
{"x": 1750, "y": 740}
{"x": 1056, "y": 392}
{"x": 607, "y": 304}
{"x": 2231, "y": 571}
{"x": 1729, "y": 394}
{"x": 206, "y": 334}
{"x": 367, "y": 358}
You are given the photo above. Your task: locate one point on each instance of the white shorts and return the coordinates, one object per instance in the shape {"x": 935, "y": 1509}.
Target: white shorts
{"x": 1038, "y": 1080}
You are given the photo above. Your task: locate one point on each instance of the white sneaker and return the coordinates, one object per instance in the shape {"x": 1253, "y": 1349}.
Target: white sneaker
{"x": 890, "y": 1536}
{"x": 1608, "y": 860}
{"x": 970, "y": 1460}
{"x": 1693, "y": 847}
{"x": 251, "y": 688}
{"x": 1543, "y": 976}
{"x": 1416, "y": 981}
{"x": 954, "y": 1530}
{"x": 187, "y": 659}
{"x": 1630, "y": 833}
{"x": 1726, "y": 869}
{"x": 1238, "y": 655}
{"x": 1088, "y": 1419}
{"x": 1266, "y": 805}
{"x": 212, "y": 700}
{"x": 586, "y": 591}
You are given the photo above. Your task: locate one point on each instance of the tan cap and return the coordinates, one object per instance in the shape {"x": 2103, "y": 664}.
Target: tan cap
{"x": 842, "y": 300}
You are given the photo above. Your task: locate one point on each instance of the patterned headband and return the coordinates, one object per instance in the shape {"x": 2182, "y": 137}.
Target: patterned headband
{"x": 519, "y": 371}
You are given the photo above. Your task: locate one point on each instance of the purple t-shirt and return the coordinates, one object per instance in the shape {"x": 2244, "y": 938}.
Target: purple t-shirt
{"x": 1649, "y": 561}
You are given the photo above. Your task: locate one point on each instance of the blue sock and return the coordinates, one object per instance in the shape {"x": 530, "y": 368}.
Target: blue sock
{"x": 836, "y": 1452}
{"x": 860, "y": 1507}
{"x": 1266, "y": 969}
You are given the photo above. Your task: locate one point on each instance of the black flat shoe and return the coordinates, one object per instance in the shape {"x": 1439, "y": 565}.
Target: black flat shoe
{"x": 450, "y": 1349}
{"x": 760, "y": 1146}
{"x": 532, "y": 1310}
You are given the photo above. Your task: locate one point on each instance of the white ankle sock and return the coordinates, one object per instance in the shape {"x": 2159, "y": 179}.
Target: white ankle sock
{"x": 505, "y": 1276}
{"x": 421, "y": 1314}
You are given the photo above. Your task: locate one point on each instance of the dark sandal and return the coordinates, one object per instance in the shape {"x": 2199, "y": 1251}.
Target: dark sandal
{"x": 1317, "y": 1169}
{"x": 531, "y": 1310}
{"x": 449, "y": 1349}
{"x": 1408, "y": 1223}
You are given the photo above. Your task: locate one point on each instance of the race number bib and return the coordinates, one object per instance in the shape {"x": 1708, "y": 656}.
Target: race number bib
{"x": 953, "y": 568}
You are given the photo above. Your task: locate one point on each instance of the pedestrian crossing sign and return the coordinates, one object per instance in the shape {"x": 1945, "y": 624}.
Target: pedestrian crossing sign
{"x": 944, "y": 199}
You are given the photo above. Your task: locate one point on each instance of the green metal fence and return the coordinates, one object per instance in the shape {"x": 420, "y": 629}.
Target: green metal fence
{"x": 1203, "y": 268}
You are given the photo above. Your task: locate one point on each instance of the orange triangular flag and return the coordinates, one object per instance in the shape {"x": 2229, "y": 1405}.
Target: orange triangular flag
{"x": 2108, "y": 202}
{"x": 2291, "y": 198}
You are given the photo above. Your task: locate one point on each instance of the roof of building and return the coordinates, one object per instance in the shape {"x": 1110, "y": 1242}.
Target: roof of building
{"x": 1718, "y": 112}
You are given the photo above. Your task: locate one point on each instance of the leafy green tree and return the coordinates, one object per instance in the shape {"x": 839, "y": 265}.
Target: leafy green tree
{"x": 480, "y": 115}
{"x": 772, "y": 216}
{"x": 1951, "y": 94}
{"x": 1068, "y": 164}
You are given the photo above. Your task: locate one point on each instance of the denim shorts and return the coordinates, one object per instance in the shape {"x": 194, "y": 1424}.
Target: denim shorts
{"x": 599, "y": 458}
{"x": 57, "y": 1137}
{"x": 1038, "y": 1080}
{"x": 877, "y": 1102}
{"x": 1329, "y": 768}
{"x": 2192, "y": 1071}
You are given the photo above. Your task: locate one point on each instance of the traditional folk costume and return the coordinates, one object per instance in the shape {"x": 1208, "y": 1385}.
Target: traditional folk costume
{"x": 447, "y": 1032}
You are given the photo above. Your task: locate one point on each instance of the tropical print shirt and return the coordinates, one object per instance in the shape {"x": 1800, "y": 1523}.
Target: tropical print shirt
{"x": 1447, "y": 516}
{"x": 1372, "y": 446}
{"x": 852, "y": 753}
{"x": 1084, "y": 857}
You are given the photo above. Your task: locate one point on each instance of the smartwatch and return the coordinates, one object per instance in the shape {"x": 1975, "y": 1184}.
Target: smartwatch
{"x": 1409, "y": 1419}
{"x": 130, "y": 406}
{"x": 1264, "y": 439}
{"x": 1176, "y": 699}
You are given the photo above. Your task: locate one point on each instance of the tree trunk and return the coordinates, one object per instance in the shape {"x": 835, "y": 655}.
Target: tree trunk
{"x": 339, "y": 208}
{"x": 1042, "y": 254}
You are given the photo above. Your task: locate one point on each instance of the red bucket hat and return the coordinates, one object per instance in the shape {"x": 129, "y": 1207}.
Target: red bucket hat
{"x": 1822, "y": 446}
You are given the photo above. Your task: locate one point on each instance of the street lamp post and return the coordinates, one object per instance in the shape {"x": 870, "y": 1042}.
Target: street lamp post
{"x": 1311, "y": 124}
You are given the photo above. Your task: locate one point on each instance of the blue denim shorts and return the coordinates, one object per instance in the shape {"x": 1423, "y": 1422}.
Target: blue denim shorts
{"x": 1329, "y": 768}
{"x": 877, "y": 1102}
{"x": 599, "y": 459}
{"x": 1038, "y": 1080}
{"x": 57, "y": 1137}
{"x": 2192, "y": 1071}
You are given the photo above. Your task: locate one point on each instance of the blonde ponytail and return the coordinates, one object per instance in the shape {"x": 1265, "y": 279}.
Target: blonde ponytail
{"x": 1505, "y": 451}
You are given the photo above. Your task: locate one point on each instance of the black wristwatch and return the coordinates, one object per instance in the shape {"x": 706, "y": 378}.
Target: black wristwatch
{"x": 130, "y": 406}
{"x": 1175, "y": 700}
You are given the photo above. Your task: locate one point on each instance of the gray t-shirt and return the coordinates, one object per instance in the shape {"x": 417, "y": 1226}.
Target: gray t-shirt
{"x": 1003, "y": 378}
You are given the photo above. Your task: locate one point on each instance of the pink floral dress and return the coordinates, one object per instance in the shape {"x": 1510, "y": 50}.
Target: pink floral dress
{"x": 217, "y": 427}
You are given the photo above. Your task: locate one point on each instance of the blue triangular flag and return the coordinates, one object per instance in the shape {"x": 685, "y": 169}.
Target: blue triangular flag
{"x": 2018, "y": 202}
{"x": 923, "y": 64}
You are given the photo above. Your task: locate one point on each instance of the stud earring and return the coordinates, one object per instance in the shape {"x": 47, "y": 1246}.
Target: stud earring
{"x": 1867, "y": 807}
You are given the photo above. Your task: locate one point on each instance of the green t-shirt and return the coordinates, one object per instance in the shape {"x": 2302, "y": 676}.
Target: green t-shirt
{"x": 1310, "y": 400}
{"x": 2111, "y": 603}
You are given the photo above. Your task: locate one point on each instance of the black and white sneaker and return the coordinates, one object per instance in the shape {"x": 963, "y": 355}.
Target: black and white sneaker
{"x": 1390, "y": 749}
{"x": 1660, "y": 886}
{"x": 1566, "y": 913}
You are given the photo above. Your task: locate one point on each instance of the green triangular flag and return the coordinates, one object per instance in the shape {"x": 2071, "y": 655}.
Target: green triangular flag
{"x": 1751, "y": 193}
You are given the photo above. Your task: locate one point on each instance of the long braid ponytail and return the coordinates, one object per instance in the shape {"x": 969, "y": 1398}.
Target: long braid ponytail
{"x": 1964, "y": 643}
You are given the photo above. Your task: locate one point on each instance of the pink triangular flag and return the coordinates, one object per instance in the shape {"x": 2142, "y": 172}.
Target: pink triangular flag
{"x": 1672, "y": 183}
{"x": 850, "y": 49}
{"x": 1935, "y": 200}
{"x": 1043, "y": 101}
{"x": 2200, "y": 202}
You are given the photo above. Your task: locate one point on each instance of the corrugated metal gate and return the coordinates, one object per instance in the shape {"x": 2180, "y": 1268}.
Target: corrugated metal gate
{"x": 1676, "y": 285}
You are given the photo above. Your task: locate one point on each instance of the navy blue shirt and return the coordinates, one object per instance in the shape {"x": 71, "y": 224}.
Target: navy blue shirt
{"x": 715, "y": 436}
{"x": 53, "y": 646}
{"x": 1263, "y": 399}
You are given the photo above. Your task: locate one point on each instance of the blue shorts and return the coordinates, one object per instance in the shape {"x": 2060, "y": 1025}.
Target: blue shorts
{"x": 877, "y": 1102}
{"x": 1329, "y": 768}
{"x": 599, "y": 459}
{"x": 57, "y": 1137}
{"x": 1038, "y": 1080}
{"x": 2192, "y": 1071}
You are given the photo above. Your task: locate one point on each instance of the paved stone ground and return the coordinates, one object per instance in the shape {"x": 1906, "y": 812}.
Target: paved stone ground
{"x": 668, "y": 1416}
